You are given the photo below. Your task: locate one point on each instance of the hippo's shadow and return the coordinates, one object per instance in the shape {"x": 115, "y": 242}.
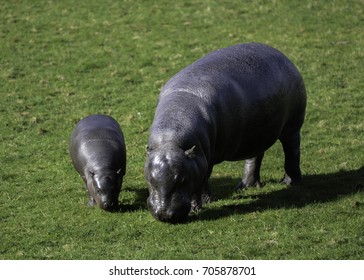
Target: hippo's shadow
{"x": 318, "y": 188}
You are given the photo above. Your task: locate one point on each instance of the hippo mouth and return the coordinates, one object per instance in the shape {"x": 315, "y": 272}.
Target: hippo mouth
{"x": 176, "y": 211}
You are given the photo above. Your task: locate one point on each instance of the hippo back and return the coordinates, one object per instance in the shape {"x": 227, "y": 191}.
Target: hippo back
{"x": 247, "y": 93}
{"x": 97, "y": 143}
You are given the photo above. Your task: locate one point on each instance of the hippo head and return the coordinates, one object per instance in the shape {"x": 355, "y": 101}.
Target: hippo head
{"x": 173, "y": 179}
{"x": 104, "y": 187}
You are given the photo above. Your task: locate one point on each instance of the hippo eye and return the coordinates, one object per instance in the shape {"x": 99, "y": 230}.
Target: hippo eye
{"x": 179, "y": 178}
{"x": 92, "y": 174}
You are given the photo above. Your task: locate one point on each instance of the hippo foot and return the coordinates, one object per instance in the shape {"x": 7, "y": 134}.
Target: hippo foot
{"x": 198, "y": 201}
{"x": 206, "y": 198}
{"x": 196, "y": 205}
{"x": 287, "y": 180}
{"x": 244, "y": 186}
{"x": 91, "y": 202}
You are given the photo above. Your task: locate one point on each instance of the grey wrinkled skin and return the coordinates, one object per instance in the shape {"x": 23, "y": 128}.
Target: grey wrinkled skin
{"x": 232, "y": 104}
{"x": 98, "y": 154}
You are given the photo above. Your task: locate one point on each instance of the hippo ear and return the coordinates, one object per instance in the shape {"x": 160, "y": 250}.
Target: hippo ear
{"x": 190, "y": 153}
{"x": 148, "y": 149}
{"x": 119, "y": 172}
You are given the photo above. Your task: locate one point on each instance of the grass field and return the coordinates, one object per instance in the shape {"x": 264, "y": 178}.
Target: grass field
{"x": 63, "y": 60}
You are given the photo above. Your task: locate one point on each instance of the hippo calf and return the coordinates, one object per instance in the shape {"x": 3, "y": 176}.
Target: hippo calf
{"x": 98, "y": 154}
{"x": 232, "y": 104}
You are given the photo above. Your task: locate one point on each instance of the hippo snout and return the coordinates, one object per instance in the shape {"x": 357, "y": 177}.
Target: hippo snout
{"x": 173, "y": 211}
{"x": 172, "y": 216}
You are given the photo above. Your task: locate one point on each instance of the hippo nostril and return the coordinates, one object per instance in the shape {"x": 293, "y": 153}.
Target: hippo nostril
{"x": 171, "y": 215}
{"x": 109, "y": 205}
{"x": 106, "y": 205}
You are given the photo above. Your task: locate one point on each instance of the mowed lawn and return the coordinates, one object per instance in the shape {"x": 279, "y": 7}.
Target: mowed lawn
{"x": 63, "y": 60}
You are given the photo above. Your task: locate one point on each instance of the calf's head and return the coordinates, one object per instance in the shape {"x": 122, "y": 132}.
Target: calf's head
{"x": 104, "y": 186}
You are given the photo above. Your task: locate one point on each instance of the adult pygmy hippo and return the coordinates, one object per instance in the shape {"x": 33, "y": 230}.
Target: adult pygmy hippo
{"x": 98, "y": 153}
{"x": 232, "y": 104}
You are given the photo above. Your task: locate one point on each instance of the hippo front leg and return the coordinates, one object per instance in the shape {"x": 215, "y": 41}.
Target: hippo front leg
{"x": 196, "y": 202}
{"x": 200, "y": 197}
{"x": 91, "y": 202}
{"x": 204, "y": 195}
{"x": 251, "y": 173}
{"x": 206, "y": 191}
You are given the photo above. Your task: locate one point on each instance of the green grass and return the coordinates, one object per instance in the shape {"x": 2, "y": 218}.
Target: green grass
{"x": 63, "y": 60}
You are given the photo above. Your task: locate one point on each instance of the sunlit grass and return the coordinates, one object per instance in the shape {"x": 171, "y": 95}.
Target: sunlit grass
{"x": 63, "y": 60}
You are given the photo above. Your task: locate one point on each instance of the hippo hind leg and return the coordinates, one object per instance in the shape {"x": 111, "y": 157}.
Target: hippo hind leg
{"x": 291, "y": 146}
{"x": 251, "y": 173}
